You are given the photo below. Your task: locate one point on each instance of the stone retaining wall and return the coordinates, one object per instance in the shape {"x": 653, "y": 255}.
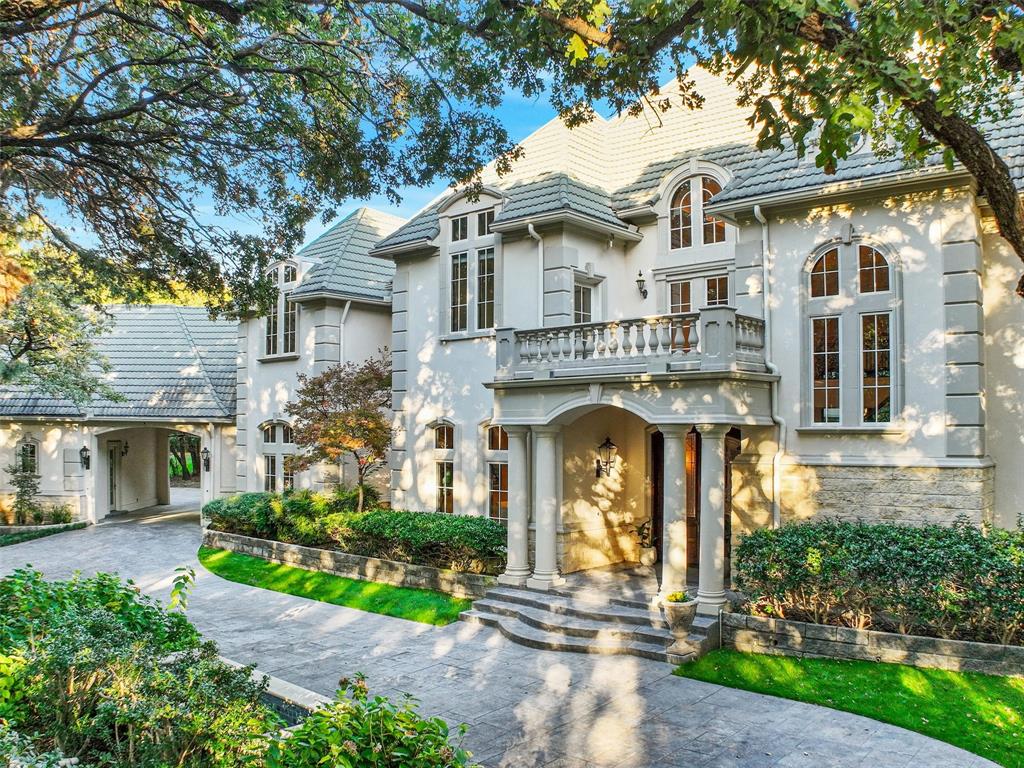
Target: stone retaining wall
{"x": 470, "y": 585}
{"x": 756, "y": 634}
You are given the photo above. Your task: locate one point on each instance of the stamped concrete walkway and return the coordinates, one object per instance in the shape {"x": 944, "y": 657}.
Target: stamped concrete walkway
{"x": 525, "y": 708}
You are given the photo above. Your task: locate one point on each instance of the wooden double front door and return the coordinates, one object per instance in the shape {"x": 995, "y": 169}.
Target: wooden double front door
{"x": 691, "y": 467}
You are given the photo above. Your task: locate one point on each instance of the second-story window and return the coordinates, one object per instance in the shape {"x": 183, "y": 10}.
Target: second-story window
{"x": 484, "y": 219}
{"x": 485, "y": 288}
{"x": 281, "y": 324}
{"x": 582, "y": 304}
{"x": 460, "y": 292}
{"x": 460, "y": 228}
{"x": 686, "y": 216}
{"x": 717, "y": 291}
{"x": 679, "y": 296}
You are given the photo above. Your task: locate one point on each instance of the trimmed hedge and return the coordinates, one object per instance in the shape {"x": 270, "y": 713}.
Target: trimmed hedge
{"x": 468, "y": 544}
{"x": 957, "y": 582}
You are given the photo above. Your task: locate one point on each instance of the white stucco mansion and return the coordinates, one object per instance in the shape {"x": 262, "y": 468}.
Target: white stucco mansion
{"x": 647, "y": 320}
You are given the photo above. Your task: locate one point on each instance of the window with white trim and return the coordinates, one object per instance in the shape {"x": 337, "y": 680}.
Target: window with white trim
{"x": 484, "y": 220}
{"x": 497, "y": 474}
{"x": 278, "y": 449}
{"x": 444, "y": 467}
{"x": 485, "y": 288}
{"x": 582, "y": 303}
{"x": 684, "y": 216}
{"x": 27, "y": 456}
{"x": 280, "y": 326}
{"x": 459, "y": 292}
{"x": 472, "y": 271}
{"x": 460, "y": 228}
{"x": 852, "y": 311}
{"x": 717, "y": 291}
{"x": 679, "y": 292}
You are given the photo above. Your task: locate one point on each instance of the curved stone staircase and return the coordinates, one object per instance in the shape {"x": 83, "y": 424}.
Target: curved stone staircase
{"x": 588, "y": 622}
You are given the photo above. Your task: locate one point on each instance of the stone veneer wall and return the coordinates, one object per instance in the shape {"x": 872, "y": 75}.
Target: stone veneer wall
{"x": 911, "y": 495}
{"x": 470, "y": 585}
{"x": 757, "y": 634}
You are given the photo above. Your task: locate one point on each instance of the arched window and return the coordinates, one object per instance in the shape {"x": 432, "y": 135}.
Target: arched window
{"x": 683, "y": 212}
{"x": 444, "y": 466}
{"x": 852, "y": 336}
{"x": 278, "y": 447}
{"x": 281, "y": 323}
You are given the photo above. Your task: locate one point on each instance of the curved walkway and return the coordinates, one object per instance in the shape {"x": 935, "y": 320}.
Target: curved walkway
{"x": 525, "y": 708}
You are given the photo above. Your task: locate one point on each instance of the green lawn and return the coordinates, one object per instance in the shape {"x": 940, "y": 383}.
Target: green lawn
{"x": 16, "y": 538}
{"x": 420, "y": 605}
{"x": 983, "y": 714}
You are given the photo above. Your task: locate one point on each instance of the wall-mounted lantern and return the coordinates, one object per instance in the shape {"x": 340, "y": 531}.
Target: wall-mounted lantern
{"x": 641, "y": 284}
{"x": 606, "y": 455}
{"x": 124, "y": 449}
{"x": 84, "y": 454}
{"x": 205, "y": 453}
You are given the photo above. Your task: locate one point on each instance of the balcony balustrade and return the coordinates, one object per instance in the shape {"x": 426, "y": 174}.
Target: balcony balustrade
{"x": 714, "y": 339}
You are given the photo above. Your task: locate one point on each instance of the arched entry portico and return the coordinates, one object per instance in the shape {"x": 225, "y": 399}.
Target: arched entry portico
{"x": 584, "y": 518}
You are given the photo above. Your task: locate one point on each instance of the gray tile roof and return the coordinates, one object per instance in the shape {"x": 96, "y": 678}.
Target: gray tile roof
{"x": 781, "y": 172}
{"x": 423, "y": 226}
{"x": 344, "y": 266}
{"x": 167, "y": 361}
{"x": 557, "y": 192}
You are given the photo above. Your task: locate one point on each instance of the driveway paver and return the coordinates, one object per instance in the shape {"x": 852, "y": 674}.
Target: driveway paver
{"x": 524, "y": 707}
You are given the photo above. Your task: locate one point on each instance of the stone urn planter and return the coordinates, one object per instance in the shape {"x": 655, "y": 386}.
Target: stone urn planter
{"x": 679, "y": 613}
{"x": 648, "y": 556}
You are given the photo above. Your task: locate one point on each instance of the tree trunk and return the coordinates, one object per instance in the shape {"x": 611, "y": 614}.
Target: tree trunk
{"x": 987, "y": 167}
{"x": 179, "y": 455}
{"x": 193, "y": 449}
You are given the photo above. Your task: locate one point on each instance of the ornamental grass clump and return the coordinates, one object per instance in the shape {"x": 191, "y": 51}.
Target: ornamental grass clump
{"x": 958, "y": 581}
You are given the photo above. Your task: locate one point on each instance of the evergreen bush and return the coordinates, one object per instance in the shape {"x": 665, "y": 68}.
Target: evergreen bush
{"x": 958, "y": 581}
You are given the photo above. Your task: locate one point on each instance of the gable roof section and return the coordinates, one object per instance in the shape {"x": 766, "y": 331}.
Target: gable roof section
{"x": 557, "y": 192}
{"x": 168, "y": 362}
{"x": 344, "y": 266}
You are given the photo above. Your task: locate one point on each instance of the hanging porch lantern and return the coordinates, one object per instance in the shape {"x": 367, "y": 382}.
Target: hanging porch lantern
{"x": 606, "y": 452}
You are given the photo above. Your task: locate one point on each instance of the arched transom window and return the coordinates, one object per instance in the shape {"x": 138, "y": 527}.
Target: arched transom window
{"x": 685, "y": 217}
{"x": 852, "y": 336}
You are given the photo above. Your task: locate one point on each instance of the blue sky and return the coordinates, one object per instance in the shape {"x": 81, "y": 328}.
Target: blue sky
{"x": 519, "y": 115}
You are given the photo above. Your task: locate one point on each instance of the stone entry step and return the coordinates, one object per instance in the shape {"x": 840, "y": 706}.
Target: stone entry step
{"x": 560, "y": 622}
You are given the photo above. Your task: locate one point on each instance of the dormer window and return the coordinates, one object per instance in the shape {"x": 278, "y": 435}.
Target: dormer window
{"x": 683, "y": 213}
{"x": 280, "y": 329}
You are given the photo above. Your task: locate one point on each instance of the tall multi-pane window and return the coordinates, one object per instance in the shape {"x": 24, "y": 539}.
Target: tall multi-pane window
{"x": 714, "y": 228}
{"x": 460, "y": 290}
{"x": 825, "y": 346}
{"x": 281, "y": 324}
{"x": 679, "y": 296}
{"x": 484, "y": 219}
{"x": 270, "y": 472}
{"x": 287, "y": 475}
{"x": 852, "y": 309}
{"x": 876, "y": 352}
{"x": 485, "y": 288}
{"x": 680, "y": 218}
{"x": 717, "y": 291}
{"x": 28, "y": 457}
{"x": 582, "y": 303}
{"x": 444, "y": 467}
{"x": 497, "y": 474}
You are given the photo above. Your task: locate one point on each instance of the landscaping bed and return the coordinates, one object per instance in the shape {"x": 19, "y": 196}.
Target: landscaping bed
{"x": 422, "y": 605}
{"x": 15, "y": 534}
{"x": 329, "y": 523}
{"x": 954, "y": 582}
{"x": 981, "y": 713}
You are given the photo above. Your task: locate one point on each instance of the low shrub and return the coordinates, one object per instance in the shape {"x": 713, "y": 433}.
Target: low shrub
{"x": 60, "y": 514}
{"x": 458, "y": 542}
{"x": 346, "y": 499}
{"x": 249, "y": 514}
{"x": 957, "y": 582}
{"x": 358, "y": 730}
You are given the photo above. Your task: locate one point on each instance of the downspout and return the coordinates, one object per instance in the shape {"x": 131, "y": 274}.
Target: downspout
{"x": 341, "y": 332}
{"x": 540, "y": 272}
{"x": 772, "y": 368}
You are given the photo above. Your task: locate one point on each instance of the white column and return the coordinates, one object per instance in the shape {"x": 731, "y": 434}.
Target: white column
{"x": 207, "y": 439}
{"x": 673, "y": 537}
{"x": 711, "y": 579}
{"x": 545, "y": 505}
{"x": 517, "y": 569}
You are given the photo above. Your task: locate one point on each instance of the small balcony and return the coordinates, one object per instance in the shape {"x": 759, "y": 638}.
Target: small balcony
{"x": 713, "y": 339}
